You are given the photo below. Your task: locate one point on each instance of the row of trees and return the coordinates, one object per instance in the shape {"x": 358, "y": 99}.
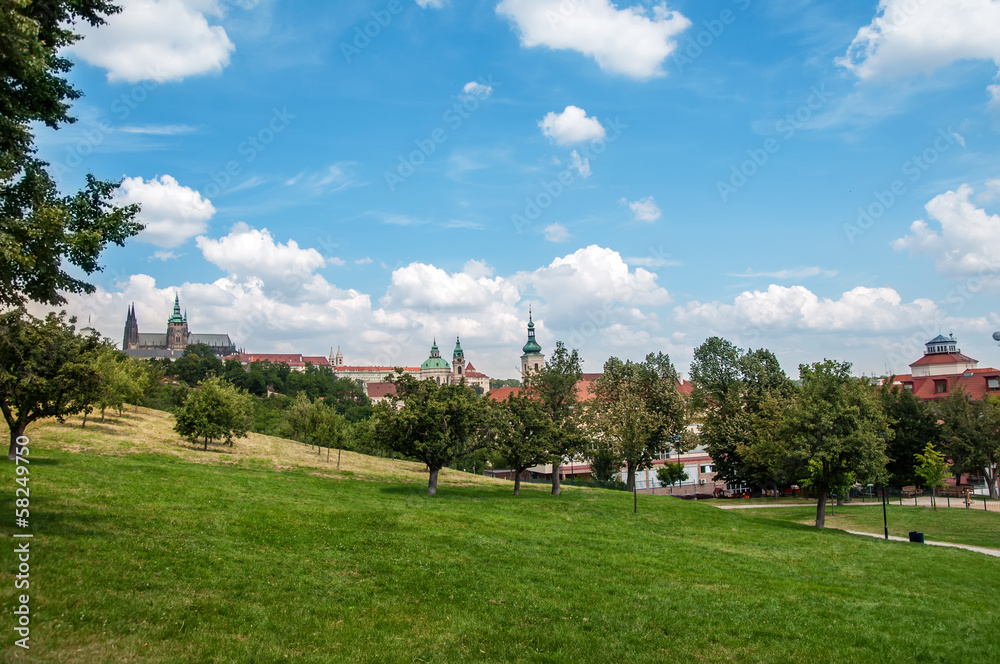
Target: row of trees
{"x": 831, "y": 430}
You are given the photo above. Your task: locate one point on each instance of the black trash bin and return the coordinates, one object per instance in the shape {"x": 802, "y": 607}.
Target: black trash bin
{"x": 916, "y": 537}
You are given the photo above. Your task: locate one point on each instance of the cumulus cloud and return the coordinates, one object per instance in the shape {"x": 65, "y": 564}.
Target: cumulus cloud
{"x": 431, "y": 4}
{"x": 477, "y": 89}
{"x": 158, "y": 40}
{"x": 644, "y": 209}
{"x": 793, "y": 273}
{"x": 580, "y": 164}
{"x": 909, "y": 37}
{"x": 248, "y": 253}
{"x": 632, "y": 41}
{"x": 171, "y": 213}
{"x": 556, "y": 233}
{"x": 798, "y": 308}
{"x": 571, "y": 126}
{"x": 968, "y": 241}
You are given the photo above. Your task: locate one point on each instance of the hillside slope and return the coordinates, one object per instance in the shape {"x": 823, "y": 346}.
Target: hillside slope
{"x": 143, "y": 553}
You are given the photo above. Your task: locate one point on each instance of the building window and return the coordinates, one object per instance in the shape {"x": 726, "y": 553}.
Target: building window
{"x": 707, "y": 469}
{"x": 908, "y": 387}
{"x": 993, "y": 383}
{"x": 941, "y": 386}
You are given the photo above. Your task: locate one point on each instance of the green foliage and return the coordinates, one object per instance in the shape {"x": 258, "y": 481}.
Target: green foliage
{"x": 435, "y": 424}
{"x": 637, "y": 412}
{"x": 525, "y": 434}
{"x": 215, "y": 411}
{"x": 46, "y": 238}
{"x": 506, "y": 382}
{"x": 932, "y": 468}
{"x": 914, "y": 424}
{"x": 46, "y": 370}
{"x": 671, "y": 473}
{"x": 971, "y": 435}
{"x": 837, "y": 431}
{"x": 198, "y": 363}
{"x": 742, "y": 397}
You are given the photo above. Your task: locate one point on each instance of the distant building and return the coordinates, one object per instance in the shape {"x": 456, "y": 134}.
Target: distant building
{"x": 295, "y": 361}
{"x": 944, "y": 368}
{"x": 532, "y": 359}
{"x": 438, "y": 369}
{"x": 174, "y": 341}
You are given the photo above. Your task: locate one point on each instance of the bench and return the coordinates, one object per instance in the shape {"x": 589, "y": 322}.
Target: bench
{"x": 949, "y": 491}
{"x": 911, "y": 491}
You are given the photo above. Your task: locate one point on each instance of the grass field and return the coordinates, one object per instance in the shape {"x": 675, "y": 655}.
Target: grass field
{"x": 961, "y": 526}
{"x": 146, "y": 550}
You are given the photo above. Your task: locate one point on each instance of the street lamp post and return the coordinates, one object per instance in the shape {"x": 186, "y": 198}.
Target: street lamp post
{"x": 885, "y": 520}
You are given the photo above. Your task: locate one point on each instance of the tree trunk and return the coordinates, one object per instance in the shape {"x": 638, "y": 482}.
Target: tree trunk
{"x": 556, "y": 488}
{"x": 338, "y": 458}
{"x": 991, "y": 482}
{"x": 630, "y": 478}
{"x": 821, "y": 510}
{"x": 840, "y": 500}
{"x": 934, "y": 498}
{"x": 432, "y": 482}
{"x": 84, "y": 420}
{"x": 206, "y": 443}
{"x": 16, "y": 434}
{"x": 517, "y": 483}
{"x": 102, "y": 414}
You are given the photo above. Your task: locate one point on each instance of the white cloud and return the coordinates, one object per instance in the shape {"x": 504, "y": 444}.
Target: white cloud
{"x": 644, "y": 209}
{"x": 157, "y": 40}
{"x": 798, "y": 308}
{"x": 994, "y": 93}
{"x": 159, "y": 130}
{"x": 172, "y": 213}
{"x": 794, "y": 273}
{"x": 363, "y": 261}
{"x": 556, "y": 233}
{"x": 165, "y": 256}
{"x": 571, "y": 126}
{"x": 992, "y": 191}
{"x": 477, "y": 89}
{"x": 968, "y": 242}
{"x": 333, "y": 178}
{"x": 431, "y": 4}
{"x": 632, "y": 41}
{"x": 653, "y": 261}
{"x": 580, "y": 164}
{"x": 248, "y": 253}
{"x": 910, "y": 37}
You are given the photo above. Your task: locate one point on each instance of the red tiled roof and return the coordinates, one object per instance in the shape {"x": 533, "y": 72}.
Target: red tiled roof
{"x": 385, "y": 369}
{"x": 470, "y": 372}
{"x": 501, "y": 393}
{"x": 943, "y": 358}
{"x": 974, "y": 382}
{"x": 379, "y": 390}
{"x": 274, "y": 358}
{"x": 317, "y": 360}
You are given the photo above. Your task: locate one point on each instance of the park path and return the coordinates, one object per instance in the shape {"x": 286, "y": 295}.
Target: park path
{"x": 978, "y": 549}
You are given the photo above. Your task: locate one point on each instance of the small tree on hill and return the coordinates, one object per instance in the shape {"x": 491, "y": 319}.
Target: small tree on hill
{"x": 46, "y": 370}
{"x": 671, "y": 473}
{"x": 434, "y": 424}
{"x": 525, "y": 434}
{"x": 932, "y": 468}
{"x": 555, "y": 385}
{"x": 215, "y": 411}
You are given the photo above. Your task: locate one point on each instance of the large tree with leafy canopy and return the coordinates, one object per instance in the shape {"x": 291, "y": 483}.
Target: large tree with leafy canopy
{"x": 837, "y": 431}
{"x": 434, "y": 424}
{"x": 46, "y": 370}
{"x": 637, "y": 410}
{"x": 42, "y": 232}
{"x": 555, "y": 386}
{"x": 525, "y": 434}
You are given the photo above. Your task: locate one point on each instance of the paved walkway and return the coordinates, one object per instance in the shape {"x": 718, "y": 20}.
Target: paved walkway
{"x": 978, "y": 549}
{"x": 722, "y": 505}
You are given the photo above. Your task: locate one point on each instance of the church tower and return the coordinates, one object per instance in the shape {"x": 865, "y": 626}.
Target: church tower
{"x": 532, "y": 360}
{"x": 338, "y": 359}
{"x": 458, "y": 361}
{"x": 131, "y": 339}
{"x": 177, "y": 328}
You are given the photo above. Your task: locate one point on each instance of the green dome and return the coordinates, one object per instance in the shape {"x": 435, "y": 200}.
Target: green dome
{"x": 435, "y": 363}
{"x": 532, "y": 347}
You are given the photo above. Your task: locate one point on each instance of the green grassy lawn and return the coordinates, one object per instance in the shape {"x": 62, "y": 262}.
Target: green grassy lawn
{"x": 150, "y": 557}
{"x": 961, "y": 526}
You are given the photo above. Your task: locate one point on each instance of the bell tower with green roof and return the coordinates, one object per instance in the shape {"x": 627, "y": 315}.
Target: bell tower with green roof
{"x": 458, "y": 360}
{"x": 532, "y": 360}
{"x": 177, "y": 328}
{"x": 435, "y": 367}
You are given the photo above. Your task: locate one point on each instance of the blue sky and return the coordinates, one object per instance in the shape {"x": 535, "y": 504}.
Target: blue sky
{"x": 817, "y": 178}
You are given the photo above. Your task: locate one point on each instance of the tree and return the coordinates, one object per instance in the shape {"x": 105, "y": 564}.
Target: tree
{"x": 837, "y": 431}
{"x": 671, "y": 473}
{"x": 46, "y": 370}
{"x": 116, "y": 382}
{"x": 914, "y": 425}
{"x": 301, "y": 417}
{"x": 434, "y": 424}
{"x": 555, "y": 385}
{"x": 215, "y": 411}
{"x": 45, "y": 238}
{"x": 637, "y": 411}
{"x": 331, "y": 429}
{"x": 196, "y": 364}
{"x": 931, "y": 468}
{"x": 525, "y": 434}
{"x": 971, "y": 435}
{"x": 742, "y": 396}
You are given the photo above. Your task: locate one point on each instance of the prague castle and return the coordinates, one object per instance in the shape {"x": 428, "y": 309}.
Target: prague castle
{"x": 172, "y": 344}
